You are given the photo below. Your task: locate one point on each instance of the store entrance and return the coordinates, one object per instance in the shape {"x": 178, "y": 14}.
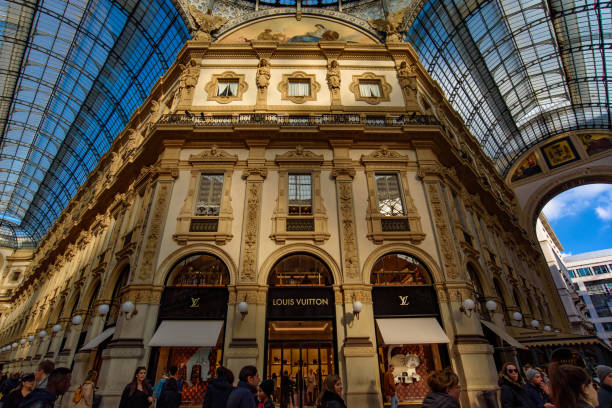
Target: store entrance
{"x": 300, "y": 356}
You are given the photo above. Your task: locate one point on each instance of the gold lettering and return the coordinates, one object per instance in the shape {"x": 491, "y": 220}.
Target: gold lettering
{"x": 404, "y": 300}
{"x": 195, "y": 302}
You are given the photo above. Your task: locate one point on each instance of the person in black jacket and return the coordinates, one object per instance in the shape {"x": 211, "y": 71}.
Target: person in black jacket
{"x": 58, "y": 383}
{"x": 605, "y": 386}
{"x": 219, "y": 389}
{"x": 534, "y": 389}
{"x": 445, "y": 390}
{"x": 138, "y": 393}
{"x": 331, "y": 395}
{"x": 512, "y": 393}
{"x": 14, "y": 398}
{"x": 170, "y": 396}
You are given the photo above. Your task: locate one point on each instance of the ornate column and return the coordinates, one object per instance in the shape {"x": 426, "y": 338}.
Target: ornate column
{"x": 470, "y": 352}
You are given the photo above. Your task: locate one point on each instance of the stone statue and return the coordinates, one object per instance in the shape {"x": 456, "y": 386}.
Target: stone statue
{"x": 333, "y": 75}
{"x": 263, "y": 74}
{"x": 206, "y": 22}
{"x": 407, "y": 78}
{"x": 391, "y": 25}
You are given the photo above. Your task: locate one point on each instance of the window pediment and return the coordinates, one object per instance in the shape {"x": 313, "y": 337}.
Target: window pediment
{"x": 383, "y": 155}
{"x": 297, "y": 156}
{"x": 213, "y": 155}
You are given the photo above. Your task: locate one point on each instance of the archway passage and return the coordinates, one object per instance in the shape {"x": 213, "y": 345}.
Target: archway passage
{"x": 301, "y": 330}
{"x": 409, "y": 336}
{"x": 191, "y": 324}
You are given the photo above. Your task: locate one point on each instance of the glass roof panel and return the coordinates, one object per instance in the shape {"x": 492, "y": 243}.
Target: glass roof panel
{"x": 77, "y": 79}
{"x": 521, "y": 71}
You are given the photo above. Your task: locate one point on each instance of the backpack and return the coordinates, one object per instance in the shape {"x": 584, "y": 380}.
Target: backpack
{"x": 78, "y": 395}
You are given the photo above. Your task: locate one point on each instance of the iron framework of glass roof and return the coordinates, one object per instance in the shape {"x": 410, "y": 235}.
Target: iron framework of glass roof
{"x": 72, "y": 72}
{"x": 519, "y": 71}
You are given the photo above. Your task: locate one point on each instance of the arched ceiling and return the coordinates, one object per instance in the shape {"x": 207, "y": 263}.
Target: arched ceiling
{"x": 73, "y": 71}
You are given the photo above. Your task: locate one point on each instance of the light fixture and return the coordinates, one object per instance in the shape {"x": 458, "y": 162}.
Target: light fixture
{"x": 557, "y": 331}
{"x": 547, "y": 328}
{"x": 22, "y": 341}
{"x": 491, "y": 305}
{"x": 77, "y": 319}
{"x": 42, "y": 334}
{"x": 467, "y": 306}
{"x": 357, "y": 308}
{"x": 30, "y": 338}
{"x": 243, "y": 308}
{"x": 15, "y": 345}
{"x": 57, "y": 328}
{"x": 517, "y": 316}
{"x": 129, "y": 309}
{"x": 103, "y": 309}
{"x": 535, "y": 323}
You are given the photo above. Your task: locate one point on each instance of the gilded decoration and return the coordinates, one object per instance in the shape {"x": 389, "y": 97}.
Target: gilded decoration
{"x": 149, "y": 252}
{"x": 444, "y": 235}
{"x": 304, "y": 162}
{"x": 206, "y": 22}
{"x": 370, "y": 77}
{"x": 559, "y": 153}
{"x": 392, "y": 25}
{"x": 212, "y": 87}
{"x": 314, "y": 87}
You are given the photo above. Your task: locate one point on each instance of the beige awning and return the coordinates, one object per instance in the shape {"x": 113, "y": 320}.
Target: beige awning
{"x": 412, "y": 330}
{"x": 187, "y": 333}
{"x": 96, "y": 341}
{"x": 502, "y": 333}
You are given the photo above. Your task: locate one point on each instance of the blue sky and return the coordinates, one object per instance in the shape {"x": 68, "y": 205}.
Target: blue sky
{"x": 582, "y": 218}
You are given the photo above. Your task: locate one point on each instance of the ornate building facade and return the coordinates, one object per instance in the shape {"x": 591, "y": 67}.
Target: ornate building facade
{"x": 300, "y": 196}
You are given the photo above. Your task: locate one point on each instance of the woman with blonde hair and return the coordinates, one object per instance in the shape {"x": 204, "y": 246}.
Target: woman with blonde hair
{"x": 331, "y": 394}
{"x": 87, "y": 390}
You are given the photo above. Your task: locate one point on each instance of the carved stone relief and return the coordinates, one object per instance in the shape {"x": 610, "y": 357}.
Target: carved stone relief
{"x": 444, "y": 236}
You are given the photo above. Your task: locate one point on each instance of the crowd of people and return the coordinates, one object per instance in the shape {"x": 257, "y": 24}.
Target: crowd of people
{"x": 555, "y": 386}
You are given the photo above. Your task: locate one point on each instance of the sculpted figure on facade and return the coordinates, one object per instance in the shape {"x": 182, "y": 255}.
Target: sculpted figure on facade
{"x": 391, "y": 25}
{"x": 333, "y": 75}
{"x": 206, "y": 22}
{"x": 263, "y": 74}
{"x": 407, "y": 79}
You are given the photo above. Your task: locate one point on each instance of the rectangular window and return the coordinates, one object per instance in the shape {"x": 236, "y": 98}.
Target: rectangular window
{"x": 584, "y": 271}
{"x": 572, "y": 273}
{"x": 600, "y": 269}
{"x": 300, "y": 194}
{"x": 299, "y": 87}
{"x": 228, "y": 88}
{"x": 389, "y": 195}
{"x": 15, "y": 276}
{"x": 209, "y": 196}
{"x": 607, "y": 326}
{"x": 369, "y": 89}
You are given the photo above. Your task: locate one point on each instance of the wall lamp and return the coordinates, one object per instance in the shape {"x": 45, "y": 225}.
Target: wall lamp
{"x": 57, "y": 328}
{"x": 547, "y": 328}
{"x": 129, "y": 309}
{"x": 31, "y": 338}
{"x": 517, "y": 316}
{"x": 77, "y": 319}
{"x": 22, "y": 341}
{"x": 491, "y": 305}
{"x": 42, "y": 334}
{"x": 535, "y": 323}
{"x": 467, "y": 307}
{"x": 243, "y": 308}
{"x": 103, "y": 309}
{"x": 357, "y": 308}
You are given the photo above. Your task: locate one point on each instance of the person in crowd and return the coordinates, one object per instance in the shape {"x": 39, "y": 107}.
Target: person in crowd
{"x": 331, "y": 393}
{"x": 513, "y": 395}
{"x": 87, "y": 390}
{"x": 571, "y": 387}
{"x": 604, "y": 394}
{"x": 159, "y": 387}
{"x": 219, "y": 389}
{"x": 58, "y": 382}
{"x": 11, "y": 383}
{"x": 138, "y": 393}
{"x": 244, "y": 395}
{"x": 544, "y": 371}
{"x": 170, "y": 397}
{"x": 14, "y": 398}
{"x": 286, "y": 389}
{"x": 535, "y": 389}
{"x": 173, "y": 370}
{"x": 444, "y": 390}
{"x": 42, "y": 372}
{"x": 265, "y": 391}
{"x": 389, "y": 387}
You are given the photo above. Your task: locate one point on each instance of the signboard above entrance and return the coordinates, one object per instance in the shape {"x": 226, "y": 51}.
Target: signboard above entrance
{"x": 396, "y": 301}
{"x": 185, "y": 303}
{"x": 303, "y": 303}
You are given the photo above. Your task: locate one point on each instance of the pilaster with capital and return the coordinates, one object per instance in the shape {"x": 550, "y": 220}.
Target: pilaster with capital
{"x": 248, "y": 262}
{"x": 348, "y": 235}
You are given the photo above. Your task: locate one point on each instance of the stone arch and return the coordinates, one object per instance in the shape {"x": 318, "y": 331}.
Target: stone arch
{"x": 555, "y": 185}
{"x": 482, "y": 277}
{"x": 70, "y": 305}
{"x": 166, "y": 266}
{"x": 274, "y": 257}
{"x": 89, "y": 292}
{"x": 434, "y": 269}
{"x": 106, "y": 292}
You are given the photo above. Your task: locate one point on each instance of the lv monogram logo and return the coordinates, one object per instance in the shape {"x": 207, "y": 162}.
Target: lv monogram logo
{"x": 404, "y": 300}
{"x": 195, "y": 302}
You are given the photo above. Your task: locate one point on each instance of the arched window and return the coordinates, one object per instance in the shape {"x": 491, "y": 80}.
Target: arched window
{"x": 502, "y": 301}
{"x": 300, "y": 269}
{"x": 199, "y": 270}
{"x": 399, "y": 269}
{"x": 111, "y": 317}
{"x": 518, "y": 304}
{"x": 479, "y": 291}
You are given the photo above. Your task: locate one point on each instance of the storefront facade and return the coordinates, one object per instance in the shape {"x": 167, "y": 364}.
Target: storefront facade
{"x": 303, "y": 235}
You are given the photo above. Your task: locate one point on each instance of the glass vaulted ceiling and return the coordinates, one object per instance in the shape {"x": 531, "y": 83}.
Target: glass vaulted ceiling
{"x": 71, "y": 74}
{"x": 519, "y": 71}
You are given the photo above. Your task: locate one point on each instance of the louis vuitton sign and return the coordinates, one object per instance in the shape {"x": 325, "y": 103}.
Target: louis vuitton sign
{"x": 304, "y": 302}
{"x": 395, "y": 301}
{"x": 180, "y": 302}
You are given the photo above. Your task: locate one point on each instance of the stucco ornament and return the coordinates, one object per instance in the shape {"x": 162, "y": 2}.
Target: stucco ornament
{"x": 206, "y": 22}
{"x": 391, "y": 25}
